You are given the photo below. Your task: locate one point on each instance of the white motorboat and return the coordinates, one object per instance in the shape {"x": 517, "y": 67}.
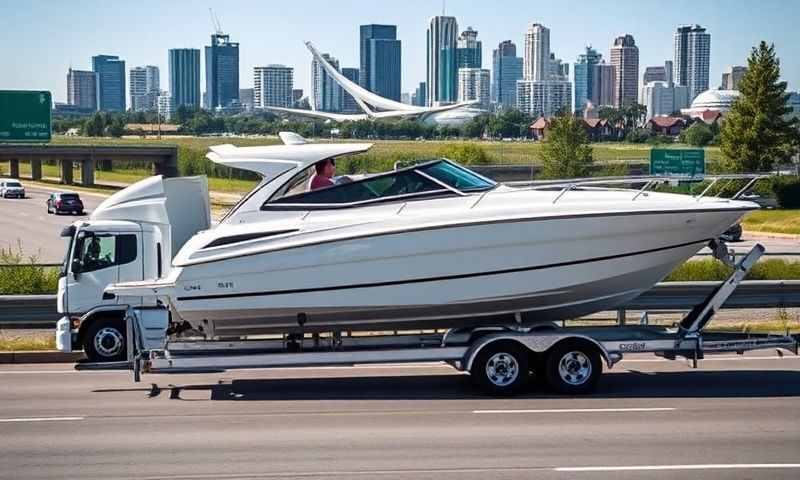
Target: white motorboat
{"x": 433, "y": 245}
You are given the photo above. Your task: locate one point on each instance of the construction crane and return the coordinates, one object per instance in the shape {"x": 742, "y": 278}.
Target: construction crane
{"x": 215, "y": 22}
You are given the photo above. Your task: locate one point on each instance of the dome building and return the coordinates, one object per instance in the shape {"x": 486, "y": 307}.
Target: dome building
{"x": 711, "y": 104}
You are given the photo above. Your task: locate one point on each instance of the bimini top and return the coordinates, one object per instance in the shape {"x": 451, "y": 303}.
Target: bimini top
{"x": 273, "y": 160}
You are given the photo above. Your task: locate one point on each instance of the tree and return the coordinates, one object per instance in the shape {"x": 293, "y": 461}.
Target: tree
{"x": 116, "y": 127}
{"x": 95, "y": 125}
{"x": 755, "y": 133}
{"x": 566, "y": 152}
{"x": 466, "y": 153}
{"x": 698, "y": 135}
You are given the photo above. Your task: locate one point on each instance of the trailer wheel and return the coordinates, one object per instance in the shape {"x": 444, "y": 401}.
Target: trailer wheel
{"x": 573, "y": 367}
{"x": 501, "y": 368}
{"x": 105, "y": 340}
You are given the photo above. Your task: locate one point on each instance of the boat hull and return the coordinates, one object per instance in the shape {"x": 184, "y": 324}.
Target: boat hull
{"x": 513, "y": 271}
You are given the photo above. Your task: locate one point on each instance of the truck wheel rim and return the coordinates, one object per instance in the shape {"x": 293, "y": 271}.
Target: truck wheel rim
{"x": 575, "y": 368}
{"x": 502, "y": 369}
{"x": 108, "y": 342}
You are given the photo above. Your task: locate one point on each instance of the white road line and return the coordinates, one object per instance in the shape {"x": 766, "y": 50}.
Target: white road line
{"x": 713, "y": 466}
{"x": 712, "y": 359}
{"x": 40, "y": 419}
{"x": 583, "y": 410}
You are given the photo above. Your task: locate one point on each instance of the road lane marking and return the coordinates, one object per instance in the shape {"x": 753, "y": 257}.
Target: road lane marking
{"x": 713, "y": 466}
{"x": 711, "y": 359}
{"x": 583, "y": 410}
{"x": 40, "y": 419}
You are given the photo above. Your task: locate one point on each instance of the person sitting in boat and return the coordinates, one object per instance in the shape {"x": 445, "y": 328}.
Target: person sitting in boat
{"x": 325, "y": 169}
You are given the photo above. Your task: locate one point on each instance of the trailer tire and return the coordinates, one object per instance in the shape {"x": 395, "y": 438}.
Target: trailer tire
{"x": 573, "y": 367}
{"x": 105, "y": 341}
{"x": 501, "y": 368}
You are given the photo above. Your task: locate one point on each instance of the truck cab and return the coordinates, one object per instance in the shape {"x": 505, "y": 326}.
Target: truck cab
{"x": 132, "y": 236}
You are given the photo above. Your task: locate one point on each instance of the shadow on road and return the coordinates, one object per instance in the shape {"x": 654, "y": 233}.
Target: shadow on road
{"x": 630, "y": 384}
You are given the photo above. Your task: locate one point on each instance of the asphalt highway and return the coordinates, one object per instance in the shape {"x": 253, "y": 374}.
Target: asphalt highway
{"x": 25, "y": 221}
{"x": 734, "y": 417}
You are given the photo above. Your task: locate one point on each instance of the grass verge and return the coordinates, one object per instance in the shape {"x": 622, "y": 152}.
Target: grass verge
{"x": 710, "y": 269}
{"x": 27, "y": 342}
{"x": 773, "y": 221}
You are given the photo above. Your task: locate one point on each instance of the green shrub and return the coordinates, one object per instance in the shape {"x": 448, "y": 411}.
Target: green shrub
{"x": 22, "y": 277}
{"x": 698, "y": 135}
{"x": 787, "y": 191}
{"x": 466, "y": 153}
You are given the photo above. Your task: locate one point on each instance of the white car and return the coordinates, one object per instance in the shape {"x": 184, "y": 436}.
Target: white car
{"x": 11, "y": 188}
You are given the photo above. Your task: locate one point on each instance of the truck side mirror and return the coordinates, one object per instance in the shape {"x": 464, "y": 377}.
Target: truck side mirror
{"x": 76, "y": 267}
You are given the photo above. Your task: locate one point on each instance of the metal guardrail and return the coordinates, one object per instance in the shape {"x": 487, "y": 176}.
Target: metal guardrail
{"x": 39, "y": 311}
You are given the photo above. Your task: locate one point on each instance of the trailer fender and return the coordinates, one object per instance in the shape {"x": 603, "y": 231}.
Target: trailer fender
{"x": 538, "y": 342}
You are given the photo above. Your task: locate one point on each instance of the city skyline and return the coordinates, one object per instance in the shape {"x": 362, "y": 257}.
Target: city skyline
{"x": 735, "y": 33}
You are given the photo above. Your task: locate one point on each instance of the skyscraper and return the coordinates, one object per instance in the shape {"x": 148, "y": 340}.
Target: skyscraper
{"x": 543, "y": 98}
{"x": 692, "y": 58}
{"x": 272, "y": 86}
{"x": 584, "y": 76}
{"x": 507, "y": 69}
{"x": 144, "y": 88}
{"x": 82, "y": 89}
{"x": 349, "y": 104}
{"x": 663, "y": 98}
{"x": 473, "y": 84}
{"x": 222, "y": 71}
{"x": 421, "y": 95}
{"x": 603, "y": 78}
{"x": 184, "y": 77}
{"x": 326, "y": 94}
{"x": 380, "y": 53}
{"x": 732, "y": 76}
{"x": 537, "y": 53}
{"x": 110, "y": 72}
{"x": 468, "y": 49}
{"x": 442, "y": 84}
{"x": 625, "y": 59}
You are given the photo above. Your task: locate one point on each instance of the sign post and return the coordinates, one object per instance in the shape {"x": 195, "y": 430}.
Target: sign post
{"x": 25, "y": 116}
{"x": 673, "y": 161}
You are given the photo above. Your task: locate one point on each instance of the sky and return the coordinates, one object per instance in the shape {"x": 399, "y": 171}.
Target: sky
{"x": 42, "y": 38}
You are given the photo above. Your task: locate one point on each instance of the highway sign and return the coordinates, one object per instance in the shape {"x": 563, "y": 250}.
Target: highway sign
{"x": 25, "y": 116}
{"x": 673, "y": 161}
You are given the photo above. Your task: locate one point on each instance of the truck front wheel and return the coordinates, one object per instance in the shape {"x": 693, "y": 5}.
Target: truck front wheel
{"x": 105, "y": 341}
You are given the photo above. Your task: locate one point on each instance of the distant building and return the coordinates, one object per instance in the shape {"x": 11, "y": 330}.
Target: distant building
{"x": 184, "y": 77}
{"x": 61, "y": 110}
{"x": 603, "y": 80}
{"x": 545, "y": 98}
{"x": 297, "y": 95}
{"x": 166, "y": 107}
{"x": 144, "y": 88}
{"x": 662, "y": 98}
{"x": 711, "y": 104}
{"x": 669, "y": 126}
{"x": 222, "y": 72}
{"x": 536, "y": 65}
{"x": 380, "y": 52}
{"x": 794, "y": 103}
{"x": 246, "y": 98}
{"x": 110, "y": 72}
{"x": 405, "y": 97}
{"x": 82, "y": 89}
{"x": 272, "y": 86}
{"x": 468, "y": 49}
{"x": 442, "y": 68}
{"x": 654, "y": 74}
{"x": 558, "y": 70}
{"x": 326, "y": 94}
{"x": 584, "y": 75}
{"x": 349, "y": 104}
{"x": 692, "y": 58}
{"x": 732, "y": 77}
{"x": 474, "y": 84}
{"x": 421, "y": 95}
{"x": 506, "y": 70}
{"x": 625, "y": 59}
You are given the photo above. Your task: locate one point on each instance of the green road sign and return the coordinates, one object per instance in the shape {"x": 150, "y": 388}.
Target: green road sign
{"x": 25, "y": 116}
{"x": 669, "y": 161}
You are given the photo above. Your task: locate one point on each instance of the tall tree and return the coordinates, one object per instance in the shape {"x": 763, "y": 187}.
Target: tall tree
{"x": 566, "y": 152}
{"x": 756, "y": 132}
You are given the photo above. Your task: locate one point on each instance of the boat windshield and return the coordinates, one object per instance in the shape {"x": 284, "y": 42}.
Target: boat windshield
{"x": 440, "y": 177}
